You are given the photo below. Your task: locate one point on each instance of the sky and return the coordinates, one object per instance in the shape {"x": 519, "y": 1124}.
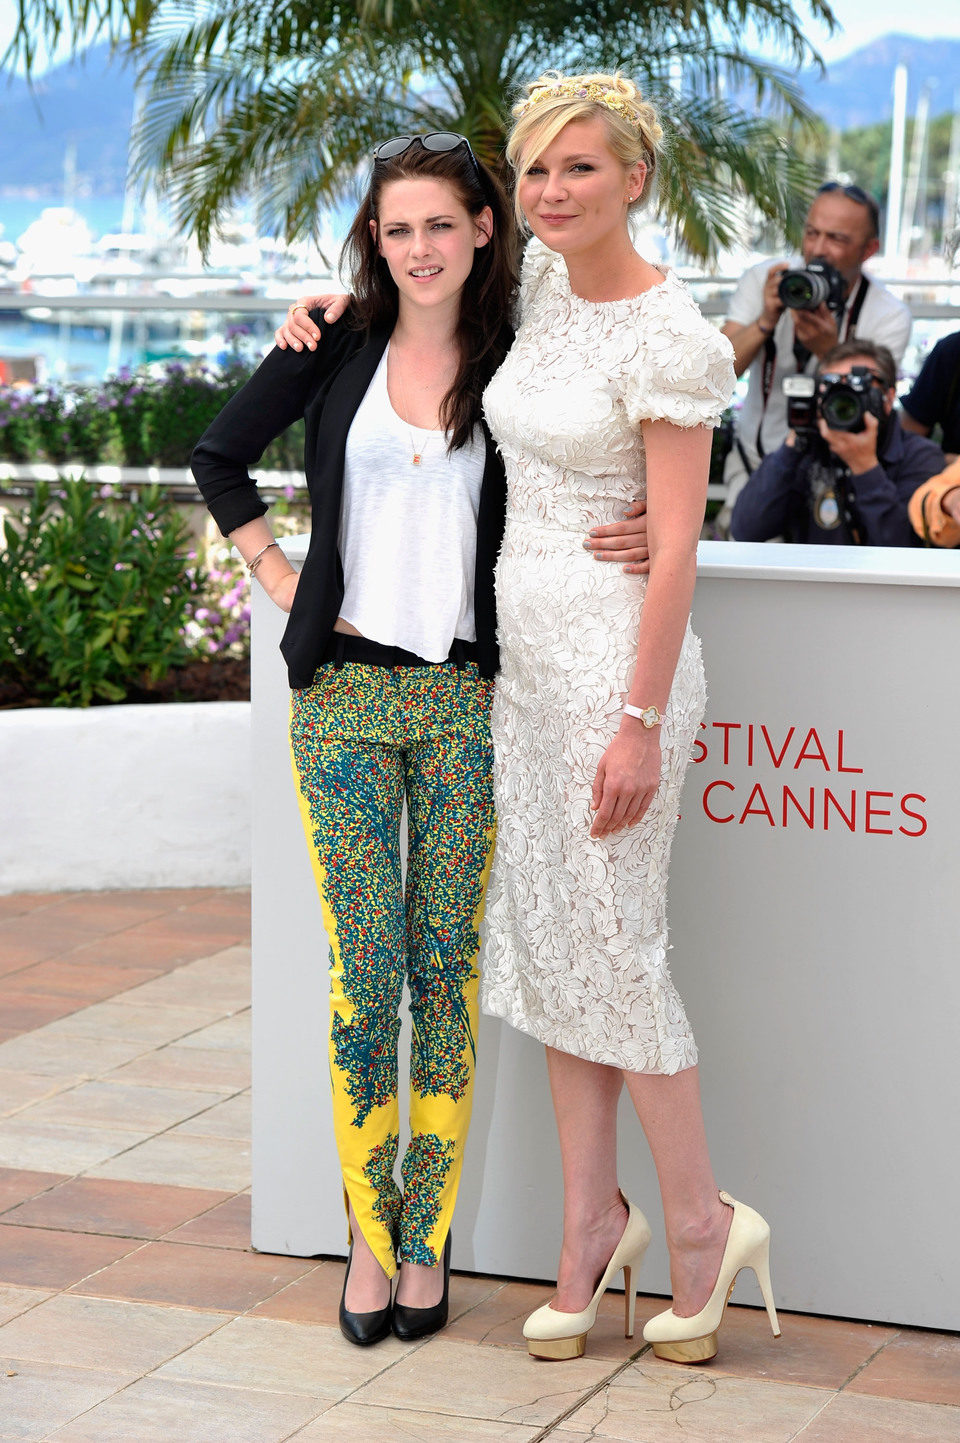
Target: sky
{"x": 861, "y": 22}
{"x": 866, "y": 20}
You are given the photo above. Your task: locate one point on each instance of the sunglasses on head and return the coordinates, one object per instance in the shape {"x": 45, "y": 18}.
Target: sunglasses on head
{"x": 855, "y": 193}
{"x": 438, "y": 141}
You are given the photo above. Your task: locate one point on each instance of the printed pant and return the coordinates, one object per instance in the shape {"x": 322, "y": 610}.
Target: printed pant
{"x": 363, "y": 738}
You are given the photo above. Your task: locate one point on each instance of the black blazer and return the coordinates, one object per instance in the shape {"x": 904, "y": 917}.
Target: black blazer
{"x": 326, "y": 387}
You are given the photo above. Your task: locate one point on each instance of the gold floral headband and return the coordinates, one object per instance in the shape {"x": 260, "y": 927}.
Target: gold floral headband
{"x": 574, "y": 90}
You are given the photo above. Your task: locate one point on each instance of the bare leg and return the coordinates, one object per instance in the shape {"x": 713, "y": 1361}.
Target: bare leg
{"x": 697, "y": 1222}
{"x": 585, "y": 1096}
{"x": 420, "y": 1286}
{"x": 368, "y": 1287}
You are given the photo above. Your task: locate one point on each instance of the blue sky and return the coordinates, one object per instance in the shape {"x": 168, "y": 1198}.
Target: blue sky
{"x": 861, "y": 21}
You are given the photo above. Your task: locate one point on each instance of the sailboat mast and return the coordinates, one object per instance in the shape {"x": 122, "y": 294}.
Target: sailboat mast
{"x": 895, "y": 185}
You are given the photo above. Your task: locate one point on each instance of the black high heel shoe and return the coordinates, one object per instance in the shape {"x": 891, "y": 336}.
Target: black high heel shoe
{"x": 411, "y": 1323}
{"x": 363, "y": 1328}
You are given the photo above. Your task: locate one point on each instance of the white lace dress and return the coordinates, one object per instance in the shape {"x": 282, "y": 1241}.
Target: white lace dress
{"x": 576, "y": 934}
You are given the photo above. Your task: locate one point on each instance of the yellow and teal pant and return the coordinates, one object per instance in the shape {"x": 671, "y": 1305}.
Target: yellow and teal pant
{"x": 365, "y": 739}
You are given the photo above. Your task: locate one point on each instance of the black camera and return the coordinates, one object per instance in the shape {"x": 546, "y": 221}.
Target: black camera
{"x": 815, "y": 284}
{"x": 842, "y": 400}
{"x": 801, "y": 397}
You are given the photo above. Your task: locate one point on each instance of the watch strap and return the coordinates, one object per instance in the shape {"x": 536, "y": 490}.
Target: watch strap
{"x": 651, "y": 716}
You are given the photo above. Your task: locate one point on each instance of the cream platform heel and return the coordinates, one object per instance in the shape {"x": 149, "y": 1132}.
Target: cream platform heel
{"x": 694, "y": 1340}
{"x": 551, "y": 1334}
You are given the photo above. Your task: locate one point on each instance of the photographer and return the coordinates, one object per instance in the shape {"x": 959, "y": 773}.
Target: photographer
{"x": 935, "y": 508}
{"x": 935, "y": 398}
{"x": 848, "y": 483}
{"x": 778, "y": 328}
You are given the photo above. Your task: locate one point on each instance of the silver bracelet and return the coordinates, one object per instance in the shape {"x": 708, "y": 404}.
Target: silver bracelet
{"x": 252, "y": 565}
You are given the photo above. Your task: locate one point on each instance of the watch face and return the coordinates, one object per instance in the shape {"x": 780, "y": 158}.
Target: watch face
{"x": 650, "y": 716}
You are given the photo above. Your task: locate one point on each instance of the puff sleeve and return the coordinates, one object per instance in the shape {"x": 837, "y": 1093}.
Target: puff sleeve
{"x": 683, "y": 369}
{"x": 539, "y": 263}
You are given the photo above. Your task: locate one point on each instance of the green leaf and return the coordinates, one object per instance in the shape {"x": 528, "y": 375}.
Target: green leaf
{"x": 76, "y": 627}
{"x": 284, "y": 102}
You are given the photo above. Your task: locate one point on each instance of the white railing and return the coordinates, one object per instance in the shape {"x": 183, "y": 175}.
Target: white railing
{"x": 929, "y": 298}
{"x": 934, "y": 300}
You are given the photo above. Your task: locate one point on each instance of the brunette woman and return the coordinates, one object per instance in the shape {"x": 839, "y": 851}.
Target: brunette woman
{"x": 391, "y": 653}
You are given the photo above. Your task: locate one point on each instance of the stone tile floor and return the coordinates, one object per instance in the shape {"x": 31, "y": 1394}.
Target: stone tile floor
{"x": 132, "y": 1308}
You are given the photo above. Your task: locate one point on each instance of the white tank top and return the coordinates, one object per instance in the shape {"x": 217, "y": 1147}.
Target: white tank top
{"x": 408, "y": 532}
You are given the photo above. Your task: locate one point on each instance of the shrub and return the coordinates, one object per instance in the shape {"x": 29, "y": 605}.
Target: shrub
{"x": 128, "y": 396}
{"x": 179, "y": 408}
{"x": 151, "y": 417}
{"x": 94, "y": 435}
{"x": 53, "y": 428}
{"x": 20, "y": 438}
{"x": 93, "y": 593}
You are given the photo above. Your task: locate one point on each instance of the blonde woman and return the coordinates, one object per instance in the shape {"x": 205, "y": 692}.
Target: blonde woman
{"x": 611, "y": 387}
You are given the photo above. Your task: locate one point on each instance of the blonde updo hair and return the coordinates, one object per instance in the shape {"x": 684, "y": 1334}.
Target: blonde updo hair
{"x": 554, "y": 100}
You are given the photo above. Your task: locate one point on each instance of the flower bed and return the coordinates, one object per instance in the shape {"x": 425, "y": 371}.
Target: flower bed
{"x": 149, "y": 417}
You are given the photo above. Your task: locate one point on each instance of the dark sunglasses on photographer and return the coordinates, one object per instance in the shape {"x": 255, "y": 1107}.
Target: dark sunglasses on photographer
{"x": 855, "y": 193}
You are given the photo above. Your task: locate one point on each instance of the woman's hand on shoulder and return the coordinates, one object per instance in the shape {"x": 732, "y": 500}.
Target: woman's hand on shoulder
{"x": 627, "y": 778}
{"x": 298, "y": 330}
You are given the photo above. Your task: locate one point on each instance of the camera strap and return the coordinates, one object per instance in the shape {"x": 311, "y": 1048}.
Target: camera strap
{"x": 848, "y": 507}
{"x": 801, "y": 355}
{"x": 852, "y": 313}
{"x": 766, "y": 386}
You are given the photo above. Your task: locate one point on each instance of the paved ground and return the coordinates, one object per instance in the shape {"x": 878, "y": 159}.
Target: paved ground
{"x": 131, "y": 1306}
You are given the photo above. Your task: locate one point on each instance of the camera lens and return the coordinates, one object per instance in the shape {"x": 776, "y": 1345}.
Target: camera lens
{"x": 842, "y": 409}
{"x": 803, "y": 290}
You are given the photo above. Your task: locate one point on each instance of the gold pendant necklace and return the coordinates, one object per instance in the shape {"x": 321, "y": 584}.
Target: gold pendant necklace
{"x": 417, "y": 454}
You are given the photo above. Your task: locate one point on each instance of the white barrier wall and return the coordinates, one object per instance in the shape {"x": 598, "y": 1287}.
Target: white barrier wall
{"x": 812, "y": 892}
{"x": 125, "y": 796}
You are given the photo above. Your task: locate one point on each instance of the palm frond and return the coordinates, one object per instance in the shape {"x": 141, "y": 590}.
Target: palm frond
{"x": 41, "y": 26}
{"x": 718, "y": 165}
{"x": 281, "y": 103}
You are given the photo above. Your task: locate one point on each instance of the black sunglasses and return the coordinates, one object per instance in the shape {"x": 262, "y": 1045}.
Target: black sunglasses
{"x": 855, "y": 193}
{"x": 439, "y": 141}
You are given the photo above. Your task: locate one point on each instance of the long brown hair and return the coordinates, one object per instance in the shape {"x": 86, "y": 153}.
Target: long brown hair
{"x": 483, "y": 332}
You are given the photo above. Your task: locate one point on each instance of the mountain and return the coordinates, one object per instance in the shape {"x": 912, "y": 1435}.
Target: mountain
{"x": 858, "y": 90}
{"x": 85, "y": 105}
